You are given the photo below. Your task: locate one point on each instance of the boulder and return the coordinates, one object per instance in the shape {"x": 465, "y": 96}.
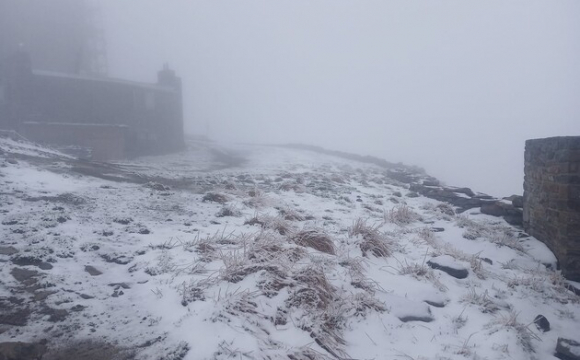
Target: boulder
{"x": 493, "y": 209}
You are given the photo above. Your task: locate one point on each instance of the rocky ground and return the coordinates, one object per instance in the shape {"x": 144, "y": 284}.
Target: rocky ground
{"x": 256, "y": 252}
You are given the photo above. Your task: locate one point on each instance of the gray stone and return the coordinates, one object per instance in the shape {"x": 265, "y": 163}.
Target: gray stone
{"x": 22, "y": 275}
{"x": 542, "y": 323}
{"x": 567, "y": 349}
{"x": 518, "y": 201}
{"x": 92, "y": 270}
{"x": 416, "y": 318}
{"x": 448, "y": 265}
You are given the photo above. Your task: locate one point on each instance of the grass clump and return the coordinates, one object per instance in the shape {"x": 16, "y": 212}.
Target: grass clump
{"x": 401, "y": 215}
{"x": 372, "y": 240}
{"x": 215, "y": 197}
{"x": 315, "y": 239}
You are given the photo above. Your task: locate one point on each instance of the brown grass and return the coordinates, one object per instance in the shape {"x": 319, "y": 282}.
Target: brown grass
{"x": 373, "y": 242}
{"x": 315, "y": 239}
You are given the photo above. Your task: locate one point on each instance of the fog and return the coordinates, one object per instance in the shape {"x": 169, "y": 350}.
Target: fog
{"x": 454, "y": 87}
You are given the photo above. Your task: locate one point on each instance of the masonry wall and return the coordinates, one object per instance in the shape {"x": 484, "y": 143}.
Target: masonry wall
{"x": 106, "y": 142}
{"x": 552, "y": 198}
{"x": 151, "y": 113}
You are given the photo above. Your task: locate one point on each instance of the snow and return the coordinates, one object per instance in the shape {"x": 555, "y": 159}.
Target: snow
{"x": 230, "y": 289}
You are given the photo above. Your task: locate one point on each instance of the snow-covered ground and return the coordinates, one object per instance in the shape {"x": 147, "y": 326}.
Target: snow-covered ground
{"x": 255, "y": 252}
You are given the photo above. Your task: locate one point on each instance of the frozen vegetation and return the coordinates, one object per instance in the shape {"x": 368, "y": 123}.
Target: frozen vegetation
{"x": 254, "y": 252}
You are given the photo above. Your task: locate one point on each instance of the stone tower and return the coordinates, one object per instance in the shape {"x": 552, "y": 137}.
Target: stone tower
{"x": 552, "y": 198}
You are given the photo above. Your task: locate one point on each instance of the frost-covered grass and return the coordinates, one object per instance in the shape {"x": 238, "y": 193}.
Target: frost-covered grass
{"x": 289, "y": 255}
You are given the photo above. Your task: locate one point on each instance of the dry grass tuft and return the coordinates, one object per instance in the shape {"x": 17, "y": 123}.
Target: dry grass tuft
{"x": 312, "y": 290}
{"x": 524, "y": 334}
{"x": 373, "y": 241}
{"x": 315, "y": 239}
{"x": 229, "y": 211}
{"x": 291, "y": 215}
{"x": 215, "y": 197}
{"x": 276, "y": 223}
{"x": 401, "y": 215}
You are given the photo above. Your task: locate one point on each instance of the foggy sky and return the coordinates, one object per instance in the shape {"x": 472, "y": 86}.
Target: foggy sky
{"x": 453, "y": 86}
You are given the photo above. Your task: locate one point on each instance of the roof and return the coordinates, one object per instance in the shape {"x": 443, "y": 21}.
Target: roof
{"x": 104, "y": 79}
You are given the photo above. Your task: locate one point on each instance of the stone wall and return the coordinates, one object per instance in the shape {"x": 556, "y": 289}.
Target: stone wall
{"x": 552, "y": 198}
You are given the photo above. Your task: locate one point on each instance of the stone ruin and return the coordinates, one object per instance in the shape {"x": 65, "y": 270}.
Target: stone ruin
{"x": 552, "y": 198}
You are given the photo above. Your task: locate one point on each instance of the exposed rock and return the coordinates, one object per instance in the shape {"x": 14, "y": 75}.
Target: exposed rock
{"x": 510, "y": 214}
{"x": 21, "y": 351}
{"x": 463, "y": 190}
{"x": 567, "y": 349}
{"x": 438, "y": 304}
{"x": 416, "y": 318}
{"x": 437, "y": 229}
{"x": 449, "y": 195}
{"x": 487, "y": 260}
{"x": 542, "y": 323}
{"x": 493, "y": 209}
{"x": 448, "y": 265}
{"x": 55, "y": 315}
{"x": 412, "y": 194}
{"x": 431, "y": 182}
{"x": 30, "y": 260}
{"x": 7, "y": 250}
{"x": 518, "y": 201}
{"x": 117, "y": 259}
{"x": 92, "y": 270}
{"x": 17, "y": 318}
{"x": 22, "y": 275}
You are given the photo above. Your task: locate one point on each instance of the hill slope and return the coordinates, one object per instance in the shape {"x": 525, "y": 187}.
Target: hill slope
{"x": 262, "y": 253}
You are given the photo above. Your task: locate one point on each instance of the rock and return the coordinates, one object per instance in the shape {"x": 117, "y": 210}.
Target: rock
{"x": 450, "y": 196}
{"x": 55, "y": 315}
{"x": 7, "y": 250}
{"x": 518, "y": 201}
{"x": 494, "y": 209}
{"x": 92, "y": 270}
{"x": 463, "y": 190}
{"x": 567, "y": 349}
{"x": 412, "y": 194}
{"x": 117, "y": 259}
{"x": 437, "y": 229}
{"x": 438, "y": 304}
{"x": 416, "y": 318}
{"x": 22, "y": 275}
{"x": 431, "y": 182}
{"x": 487, "y": 260}
{"x": 448, "y": 265}
{"x": 17, "y": 318}
{"x": 514, "y": 220}
{"x": 542, "y": 323}
{"x": 30, "y": 260}
{"x": 21, "y": 351}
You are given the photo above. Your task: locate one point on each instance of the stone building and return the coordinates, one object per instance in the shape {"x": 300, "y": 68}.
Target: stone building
{"x": 552, "y": 198}
{"x": 111, "y": 117}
